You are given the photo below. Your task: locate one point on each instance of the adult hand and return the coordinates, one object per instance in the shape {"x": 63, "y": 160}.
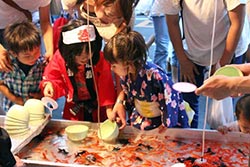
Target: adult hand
{"x": 5, "y": 62}
{"x": 27, "y": 14}
{"x": 188, "y": 71}
{"x": 215, "y": 67}
{"x": 217, "y": 87}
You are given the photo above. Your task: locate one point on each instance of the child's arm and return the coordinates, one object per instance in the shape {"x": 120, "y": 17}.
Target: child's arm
{"x": 48, "y": 89}
{"x": 230, "y": 127}
{"x": 118, "y": 113}
{"x": 7, "y": 93}
{"x": 223, "y": 129}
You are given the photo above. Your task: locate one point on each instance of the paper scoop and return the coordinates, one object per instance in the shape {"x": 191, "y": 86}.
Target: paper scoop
{"x": 50, "y": 104}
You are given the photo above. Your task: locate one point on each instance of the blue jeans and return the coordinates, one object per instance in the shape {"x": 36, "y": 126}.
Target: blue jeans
{"x": 162, "y": 41}
{"x": 193, "y": 99}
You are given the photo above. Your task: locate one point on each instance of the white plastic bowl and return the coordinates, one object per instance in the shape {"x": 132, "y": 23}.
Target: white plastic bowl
{"x": 76, "y": 132}
{"x": 18, "y": 113}
{"x": 34, "y": 106}
{"x": 108, "y": 131}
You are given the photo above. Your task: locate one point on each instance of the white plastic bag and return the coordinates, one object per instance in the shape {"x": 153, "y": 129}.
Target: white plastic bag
{"x": 220, "y": 112}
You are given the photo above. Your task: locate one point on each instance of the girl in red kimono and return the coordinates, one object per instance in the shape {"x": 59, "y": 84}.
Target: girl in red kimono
{"x": 69, "y": 74}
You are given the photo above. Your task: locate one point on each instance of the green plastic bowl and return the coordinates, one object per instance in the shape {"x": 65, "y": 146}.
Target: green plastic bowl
{"x": 108, "y": 131}
{"x": 229, "y": 71}
{"x": 76, "y": 132}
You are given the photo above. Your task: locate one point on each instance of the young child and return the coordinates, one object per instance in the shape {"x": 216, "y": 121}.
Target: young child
{"x": 69, "y": 73}
{"x": 243, "y": 117}
{"x": 23, "y": 44}
{"x": 7, "y": 159}
{"x": 146, "y": 88}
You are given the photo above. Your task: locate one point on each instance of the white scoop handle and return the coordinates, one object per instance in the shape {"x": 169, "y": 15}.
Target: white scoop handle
{"x": 49, "y": 103}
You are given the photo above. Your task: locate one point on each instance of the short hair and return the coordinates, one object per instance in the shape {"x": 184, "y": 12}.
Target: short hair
{"x": 126, "y": 48}
{"x": 243, "y": 107}
{"x": 21, "y": 37}
{"x": 70, "y": 51}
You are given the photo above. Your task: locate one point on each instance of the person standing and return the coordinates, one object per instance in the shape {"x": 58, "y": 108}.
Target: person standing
{"x": 230, "y": 42}
{"x": 16, "y": 11}
{"x": 164, "y": 54}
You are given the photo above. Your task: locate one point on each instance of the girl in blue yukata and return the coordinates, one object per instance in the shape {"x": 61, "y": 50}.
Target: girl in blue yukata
{"x": 147, "y": 92}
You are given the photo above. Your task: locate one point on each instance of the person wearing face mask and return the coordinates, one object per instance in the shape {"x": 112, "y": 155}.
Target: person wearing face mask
{"x": 109, "y": 16}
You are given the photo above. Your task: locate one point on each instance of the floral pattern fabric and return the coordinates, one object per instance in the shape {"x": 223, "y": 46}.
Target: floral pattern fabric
{"x": 153, "y": 85}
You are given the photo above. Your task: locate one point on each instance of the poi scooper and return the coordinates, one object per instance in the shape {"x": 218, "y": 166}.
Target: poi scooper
{"x": 184, "y": 87}
{"x": 50, "y": 104}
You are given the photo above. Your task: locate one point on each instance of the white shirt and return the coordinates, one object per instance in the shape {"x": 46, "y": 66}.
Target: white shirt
{"x": 10, "y": 15}
{"x": 198, "y": 27}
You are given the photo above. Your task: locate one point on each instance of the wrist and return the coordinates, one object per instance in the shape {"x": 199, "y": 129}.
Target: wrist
{"x": 119, "y": 101}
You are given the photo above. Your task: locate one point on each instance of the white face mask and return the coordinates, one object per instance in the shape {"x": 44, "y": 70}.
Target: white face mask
{"x": 106, "y": 31}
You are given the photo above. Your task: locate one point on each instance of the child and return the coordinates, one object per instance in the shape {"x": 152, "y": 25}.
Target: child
{"x": 243, "y": 117}
{"x": 23, "y": 44}
{"x": 7, "y": 159}
{"x": 146, "y": 87}
{"x": 71, "y": 75}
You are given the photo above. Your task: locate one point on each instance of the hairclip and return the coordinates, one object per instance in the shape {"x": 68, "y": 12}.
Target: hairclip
{"x": 84, "y": 33}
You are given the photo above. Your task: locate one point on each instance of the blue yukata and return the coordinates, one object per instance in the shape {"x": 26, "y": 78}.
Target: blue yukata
{"x": 151, "y": 100}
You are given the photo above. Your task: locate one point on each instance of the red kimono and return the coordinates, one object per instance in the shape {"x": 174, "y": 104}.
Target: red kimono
{"x": 85, "y": 106}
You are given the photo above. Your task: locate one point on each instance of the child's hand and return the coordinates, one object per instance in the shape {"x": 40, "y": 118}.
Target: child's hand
{"x": 18, "y": 100}
{"x": 19, "y": 163}
{"x": 110, "y": 114}
{"x": 119, "y": 114}
{"x": 162, "y": 129}
{"x": 35, "y": 96}
{"x": 48, "y": 90}
{"x": 224, "y": 129}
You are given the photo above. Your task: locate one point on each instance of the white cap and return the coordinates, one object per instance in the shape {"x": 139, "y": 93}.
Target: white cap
{"x": 84, "y": 33}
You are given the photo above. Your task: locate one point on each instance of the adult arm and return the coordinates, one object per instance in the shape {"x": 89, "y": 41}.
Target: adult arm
{"x": 47, "y": 31}
{"x": 236, "y": 17}
{"x": 14, "y": 5}
{"x": 187, "y": 67}
{"x": 5, "y": 64}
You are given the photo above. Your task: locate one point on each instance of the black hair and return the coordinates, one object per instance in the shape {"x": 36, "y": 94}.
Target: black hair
{"x": 22, "y": 37}
{"x": 70, "y": 51}
{"x": 126, "y": 48}
{"x": 243, "y": 107}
